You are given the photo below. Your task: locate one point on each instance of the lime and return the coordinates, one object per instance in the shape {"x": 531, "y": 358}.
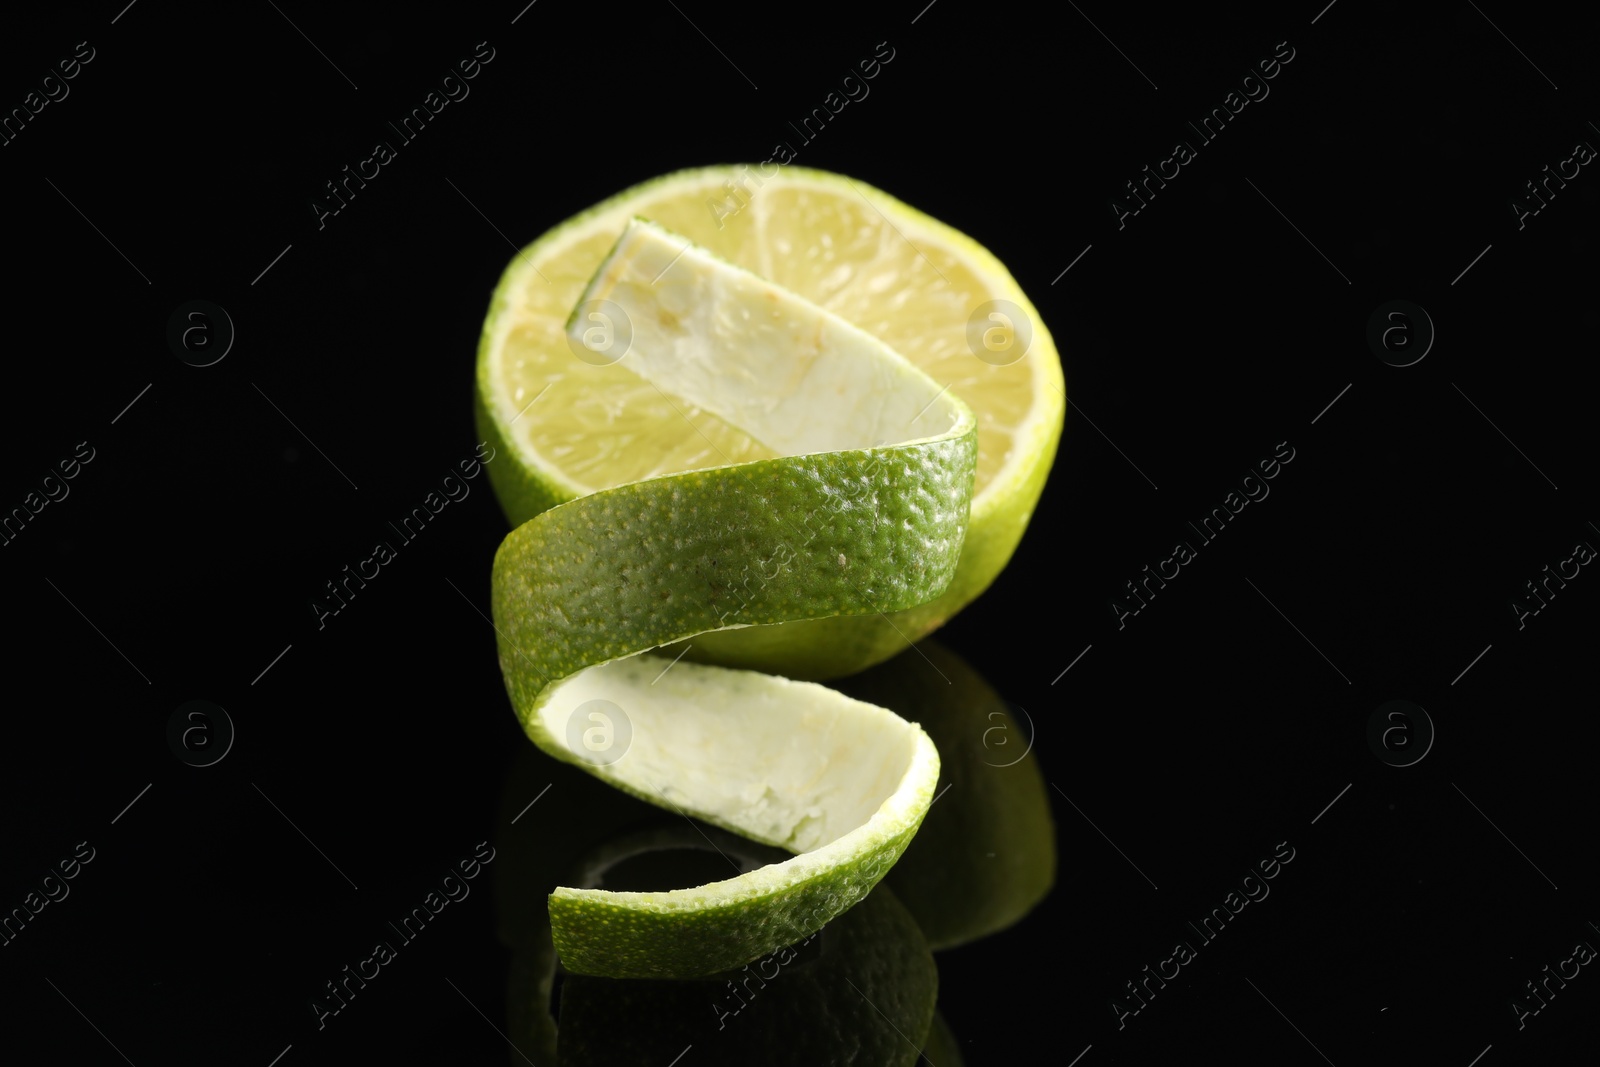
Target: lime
{"x": 569, "y": 421}
{"x": 876, "y": 946}
{"x": 537, "y": 846}
{"x": 861, "y": 991}
{"x": 871, "y": 511}
{"x": 790, "y": 764}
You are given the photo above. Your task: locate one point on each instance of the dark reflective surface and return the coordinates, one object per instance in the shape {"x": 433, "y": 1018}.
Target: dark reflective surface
{"x": 862, "y": 989}
{"x": 1196, "y": 649}
{"x": 865, "y": 995}
{"x": 982, "y": 861}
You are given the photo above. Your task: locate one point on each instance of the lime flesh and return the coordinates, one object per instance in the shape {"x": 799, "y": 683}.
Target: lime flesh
{"x": 570, "y": 427}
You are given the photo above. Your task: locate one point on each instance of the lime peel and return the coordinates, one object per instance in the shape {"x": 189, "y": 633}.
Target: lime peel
{"x": 869, "y": 777}
{"x": 908, "y": 279}
{"x": 583, "y": 588}
{"x": 789, "y": 374}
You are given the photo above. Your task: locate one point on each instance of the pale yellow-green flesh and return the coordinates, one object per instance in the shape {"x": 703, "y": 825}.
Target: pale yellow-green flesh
{"x": 781, "y": 762}
{"x": 572, "y": 427}
{"x": 843, "y": 783}
{"x": 791, "y": 764}
{"x": 598, "y": 426}
{"x": 787, "y": 373}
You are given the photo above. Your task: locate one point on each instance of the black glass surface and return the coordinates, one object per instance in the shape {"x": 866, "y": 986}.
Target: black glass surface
{"x": 1289, "y": 769}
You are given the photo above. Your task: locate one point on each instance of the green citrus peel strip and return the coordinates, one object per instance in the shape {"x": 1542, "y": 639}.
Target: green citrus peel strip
{"x": 566, "y": 427}
{"x": 863, "y": 511}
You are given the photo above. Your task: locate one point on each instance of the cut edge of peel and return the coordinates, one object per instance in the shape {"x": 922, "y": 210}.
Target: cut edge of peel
{"x": 1028, "y": 437}
{"x": 902, "y": 811}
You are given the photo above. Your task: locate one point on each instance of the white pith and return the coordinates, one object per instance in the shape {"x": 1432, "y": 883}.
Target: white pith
{"x": 1028, "y": 436}
{"x": 790, "y": 374}
{"x": 791, "y": 764}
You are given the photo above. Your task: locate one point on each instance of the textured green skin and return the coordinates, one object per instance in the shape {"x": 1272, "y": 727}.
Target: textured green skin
{"x": 628, "y": 569}
{"x": 624, "y": 570}
{"x": 521, "y": 495}
{"x": 626, "y": 942}
{"x": 830, "y": 648}
{"x": 540, "y": 851}
{"x": 534, "y": 854}
{"x": 810, "y": 1009}
{"x": 830, "y": 541}
{"x": 631, "y": 568}
{"x": 805, "y": 1012}
{"x": 820, "y": 647}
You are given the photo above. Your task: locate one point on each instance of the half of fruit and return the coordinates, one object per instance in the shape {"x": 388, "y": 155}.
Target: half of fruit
{"x": 863, "y": 511}
{"x": 566, "y": 425}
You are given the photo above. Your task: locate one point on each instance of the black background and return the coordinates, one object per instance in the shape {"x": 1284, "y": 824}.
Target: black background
{"x": 1221, "y": 320}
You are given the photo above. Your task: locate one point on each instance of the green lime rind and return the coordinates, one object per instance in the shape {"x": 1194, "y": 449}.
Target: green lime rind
{"x": 581, "y": 589}
{"x": 799, "y": 537}
{"x": 798, "y": 1008}
{"x": 539, "y": 854}
{"x": 536, "y": 845}
{"x": 838, "y": 647}
{"x": 721, "y": 925}
{"x": 821, "y": 647}
{"x": 519, "y": 491}
{"x": 862, "y": 992}
{"x": 715, "y": 927}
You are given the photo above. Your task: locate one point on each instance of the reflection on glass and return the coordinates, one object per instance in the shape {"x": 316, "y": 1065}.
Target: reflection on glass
{"x": 985, "y": 855}
{"x": 551, "y": 813}
{"x": 940, "y": 1047}
{"x": 862, "y": 990}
